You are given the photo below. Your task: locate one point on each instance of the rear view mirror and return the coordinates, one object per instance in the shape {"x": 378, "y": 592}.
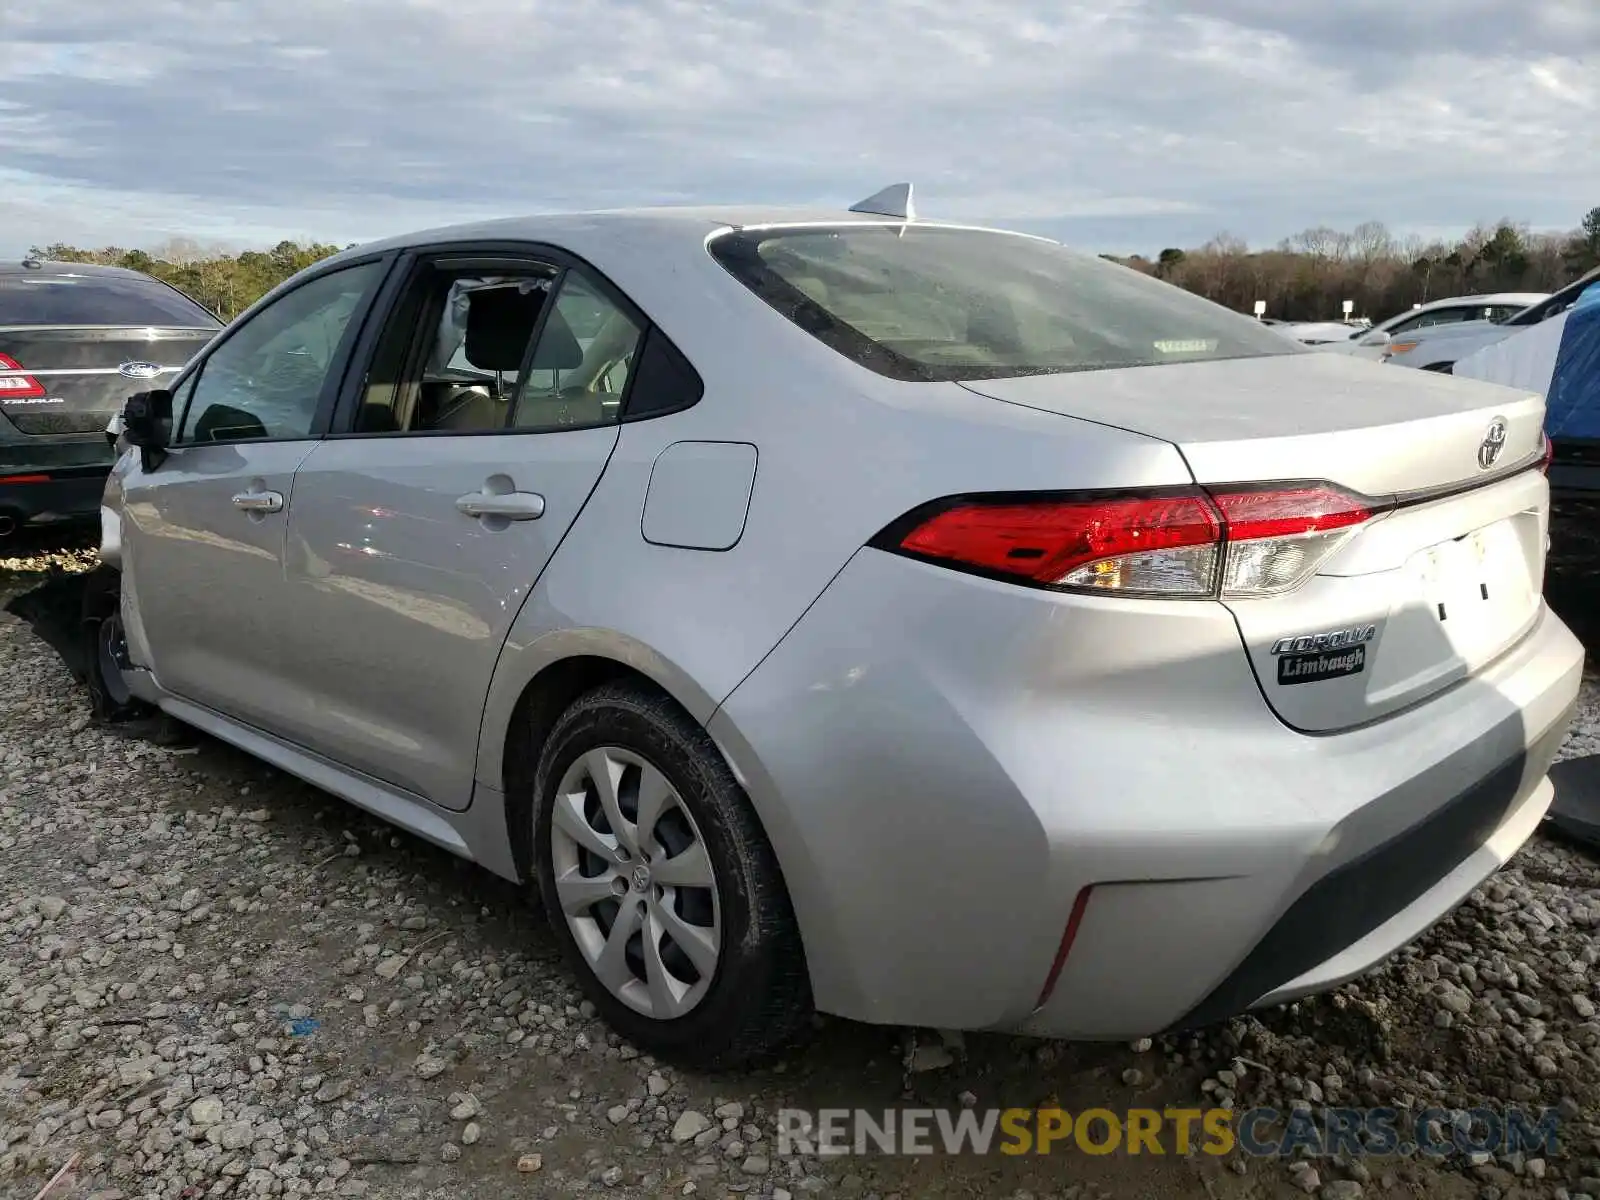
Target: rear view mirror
{"x": 147, "y": 424}
{"x": 1376, "y": 338}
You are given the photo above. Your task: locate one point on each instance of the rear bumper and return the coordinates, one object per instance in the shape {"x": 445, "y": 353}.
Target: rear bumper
{"x": 52, "y": 480}
{"x": 1355, "y": 916}
{"x": 945, "y": 764}
{"x": 58, "y": 497}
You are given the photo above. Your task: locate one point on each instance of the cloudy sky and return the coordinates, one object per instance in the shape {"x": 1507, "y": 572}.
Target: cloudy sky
{"x": 1119, "y": 125}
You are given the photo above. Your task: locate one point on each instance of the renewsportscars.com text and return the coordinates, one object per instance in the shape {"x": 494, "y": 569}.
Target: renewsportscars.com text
{"x": 1259, "y": 1132}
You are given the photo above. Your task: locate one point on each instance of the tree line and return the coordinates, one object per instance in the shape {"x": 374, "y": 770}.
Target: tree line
{"x": 225, "y": 283}
{"x": 1304, "y": 278}
{"x": 1309, "y": 276}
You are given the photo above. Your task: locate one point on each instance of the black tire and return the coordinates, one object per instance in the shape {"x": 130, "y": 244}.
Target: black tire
{"x": 759, "y": 1001}
{"x": 100, "y": 628}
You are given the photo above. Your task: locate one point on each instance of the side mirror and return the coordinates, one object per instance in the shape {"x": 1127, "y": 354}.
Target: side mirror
{"x": 1376, "y": 338}
{"x": 147, "y": 424}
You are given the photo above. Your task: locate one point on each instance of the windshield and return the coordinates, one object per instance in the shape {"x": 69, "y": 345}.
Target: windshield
{"x": 928, "y": 303}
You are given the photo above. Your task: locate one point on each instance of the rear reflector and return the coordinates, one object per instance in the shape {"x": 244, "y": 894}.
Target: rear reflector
{"x": 4, "y": 479}
{"x": 1190, "y": 543}
{"x": 17, "y": 387}
{"x": 1074, "y": 919}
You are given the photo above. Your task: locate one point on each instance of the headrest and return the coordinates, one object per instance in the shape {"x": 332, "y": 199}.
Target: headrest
{"x": 558, "y": 348}
{"x": 499, "y": 323}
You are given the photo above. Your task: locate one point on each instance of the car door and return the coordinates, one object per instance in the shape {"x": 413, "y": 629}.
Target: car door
{"x": 203, "y": 532}
{"x": 464, "y": 453}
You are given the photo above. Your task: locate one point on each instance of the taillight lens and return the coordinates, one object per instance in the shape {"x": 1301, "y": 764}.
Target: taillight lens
{"x": 1549, "y": 453}
{"x": 1278, "y": 537}
{"x": 1157, "y": 544}
{"x": 17, "y": 387}
{"x": 1193, "y": 543}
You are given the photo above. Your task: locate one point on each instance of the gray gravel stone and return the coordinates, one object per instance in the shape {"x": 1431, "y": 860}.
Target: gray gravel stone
{"x": 205, "y": 1111}
{"x": 690, "y": 1125}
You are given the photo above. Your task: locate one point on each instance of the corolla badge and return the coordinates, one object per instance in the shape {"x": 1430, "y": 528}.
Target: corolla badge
{"x": 1334, "y": 639}
{"x": 1493, "y": 443}
{"x": 140, "y": 370}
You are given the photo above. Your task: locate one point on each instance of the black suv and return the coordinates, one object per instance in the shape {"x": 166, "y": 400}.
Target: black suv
{"x": 75, "y": 339}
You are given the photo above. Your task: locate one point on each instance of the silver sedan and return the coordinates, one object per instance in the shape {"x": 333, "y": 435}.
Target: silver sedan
{"x": 838, "y": 610}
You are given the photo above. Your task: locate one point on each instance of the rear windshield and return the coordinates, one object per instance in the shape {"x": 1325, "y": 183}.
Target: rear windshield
{"x": 66, "y": 299}
{"x": 930, "y": 303}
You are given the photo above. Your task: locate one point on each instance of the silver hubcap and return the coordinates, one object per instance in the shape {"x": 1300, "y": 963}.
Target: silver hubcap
{"x": 635, "y": 883}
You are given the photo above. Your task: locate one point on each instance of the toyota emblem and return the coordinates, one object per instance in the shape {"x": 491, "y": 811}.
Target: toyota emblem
{"x": 1493, "y": 443}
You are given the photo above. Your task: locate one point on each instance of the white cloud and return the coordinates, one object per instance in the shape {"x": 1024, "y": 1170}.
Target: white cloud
{"x": 1117, "y": 123}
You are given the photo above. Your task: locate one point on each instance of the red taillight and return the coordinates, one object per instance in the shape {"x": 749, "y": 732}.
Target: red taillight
{"x": 1549, "y": 453}
{"x": 1047, "y": 541}
{"x": 9, "y": 479}
{"x": 1245, "y": 541}
{"x": 1288, "y": 512}
{"x": 17, "y": 387}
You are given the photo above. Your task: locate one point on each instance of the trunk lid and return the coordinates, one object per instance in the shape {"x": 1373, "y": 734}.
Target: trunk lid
{"x": 1444, "y": 578}
{"x": 72, "y": 380}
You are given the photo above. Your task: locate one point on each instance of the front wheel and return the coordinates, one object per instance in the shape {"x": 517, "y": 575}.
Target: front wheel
{"x": 105, "y": 648}
{"x": 661, "y": 886}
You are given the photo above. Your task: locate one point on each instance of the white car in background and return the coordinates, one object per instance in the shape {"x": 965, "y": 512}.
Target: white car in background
{"x": 1438, "y": 348}
{"x": 1378, "y": 342}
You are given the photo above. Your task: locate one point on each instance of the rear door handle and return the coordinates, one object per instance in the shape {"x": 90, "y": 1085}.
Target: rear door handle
{"x": 259, "y": 502}
{"x": 514, "y": 506}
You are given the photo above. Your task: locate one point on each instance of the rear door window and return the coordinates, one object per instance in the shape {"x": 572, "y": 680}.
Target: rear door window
{"x": 579, "y": 371}
{"x": 1438, "y": 316}
{"x": 49, "y": 298}
{"x": 452, "y": 354}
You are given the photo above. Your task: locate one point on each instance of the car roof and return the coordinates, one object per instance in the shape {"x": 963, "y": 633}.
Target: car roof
{"x": 46, "y": 266}
{"x": 1522, "y": 298}
{"x": 687, "y": 224}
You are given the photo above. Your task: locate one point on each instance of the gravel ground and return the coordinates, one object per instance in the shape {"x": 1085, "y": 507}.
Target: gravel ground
{"x": 215, "y": 980}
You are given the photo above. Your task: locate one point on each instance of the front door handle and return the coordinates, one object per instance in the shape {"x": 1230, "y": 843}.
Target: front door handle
{"x": 259, "y": 502}
{"x": 513, "y": 506}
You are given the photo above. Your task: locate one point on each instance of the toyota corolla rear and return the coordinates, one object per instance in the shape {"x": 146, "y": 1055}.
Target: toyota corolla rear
{"x": 75, "y": 339}
{"x": 1186, "y": 671}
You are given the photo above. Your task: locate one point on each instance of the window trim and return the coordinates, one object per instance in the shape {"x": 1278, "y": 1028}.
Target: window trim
{"x": 337, "y": 367}
{"x": 486, "y": 255}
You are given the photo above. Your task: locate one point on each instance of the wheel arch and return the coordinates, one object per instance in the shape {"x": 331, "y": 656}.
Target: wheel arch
{"x": 534, "y": 684}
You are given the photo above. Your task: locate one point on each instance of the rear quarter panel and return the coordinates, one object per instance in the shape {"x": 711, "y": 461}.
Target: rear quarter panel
{"x": 841, "y": 452}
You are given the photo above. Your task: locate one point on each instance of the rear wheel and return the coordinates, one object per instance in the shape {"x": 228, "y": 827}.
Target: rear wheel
{"x": 662, "y": 889}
